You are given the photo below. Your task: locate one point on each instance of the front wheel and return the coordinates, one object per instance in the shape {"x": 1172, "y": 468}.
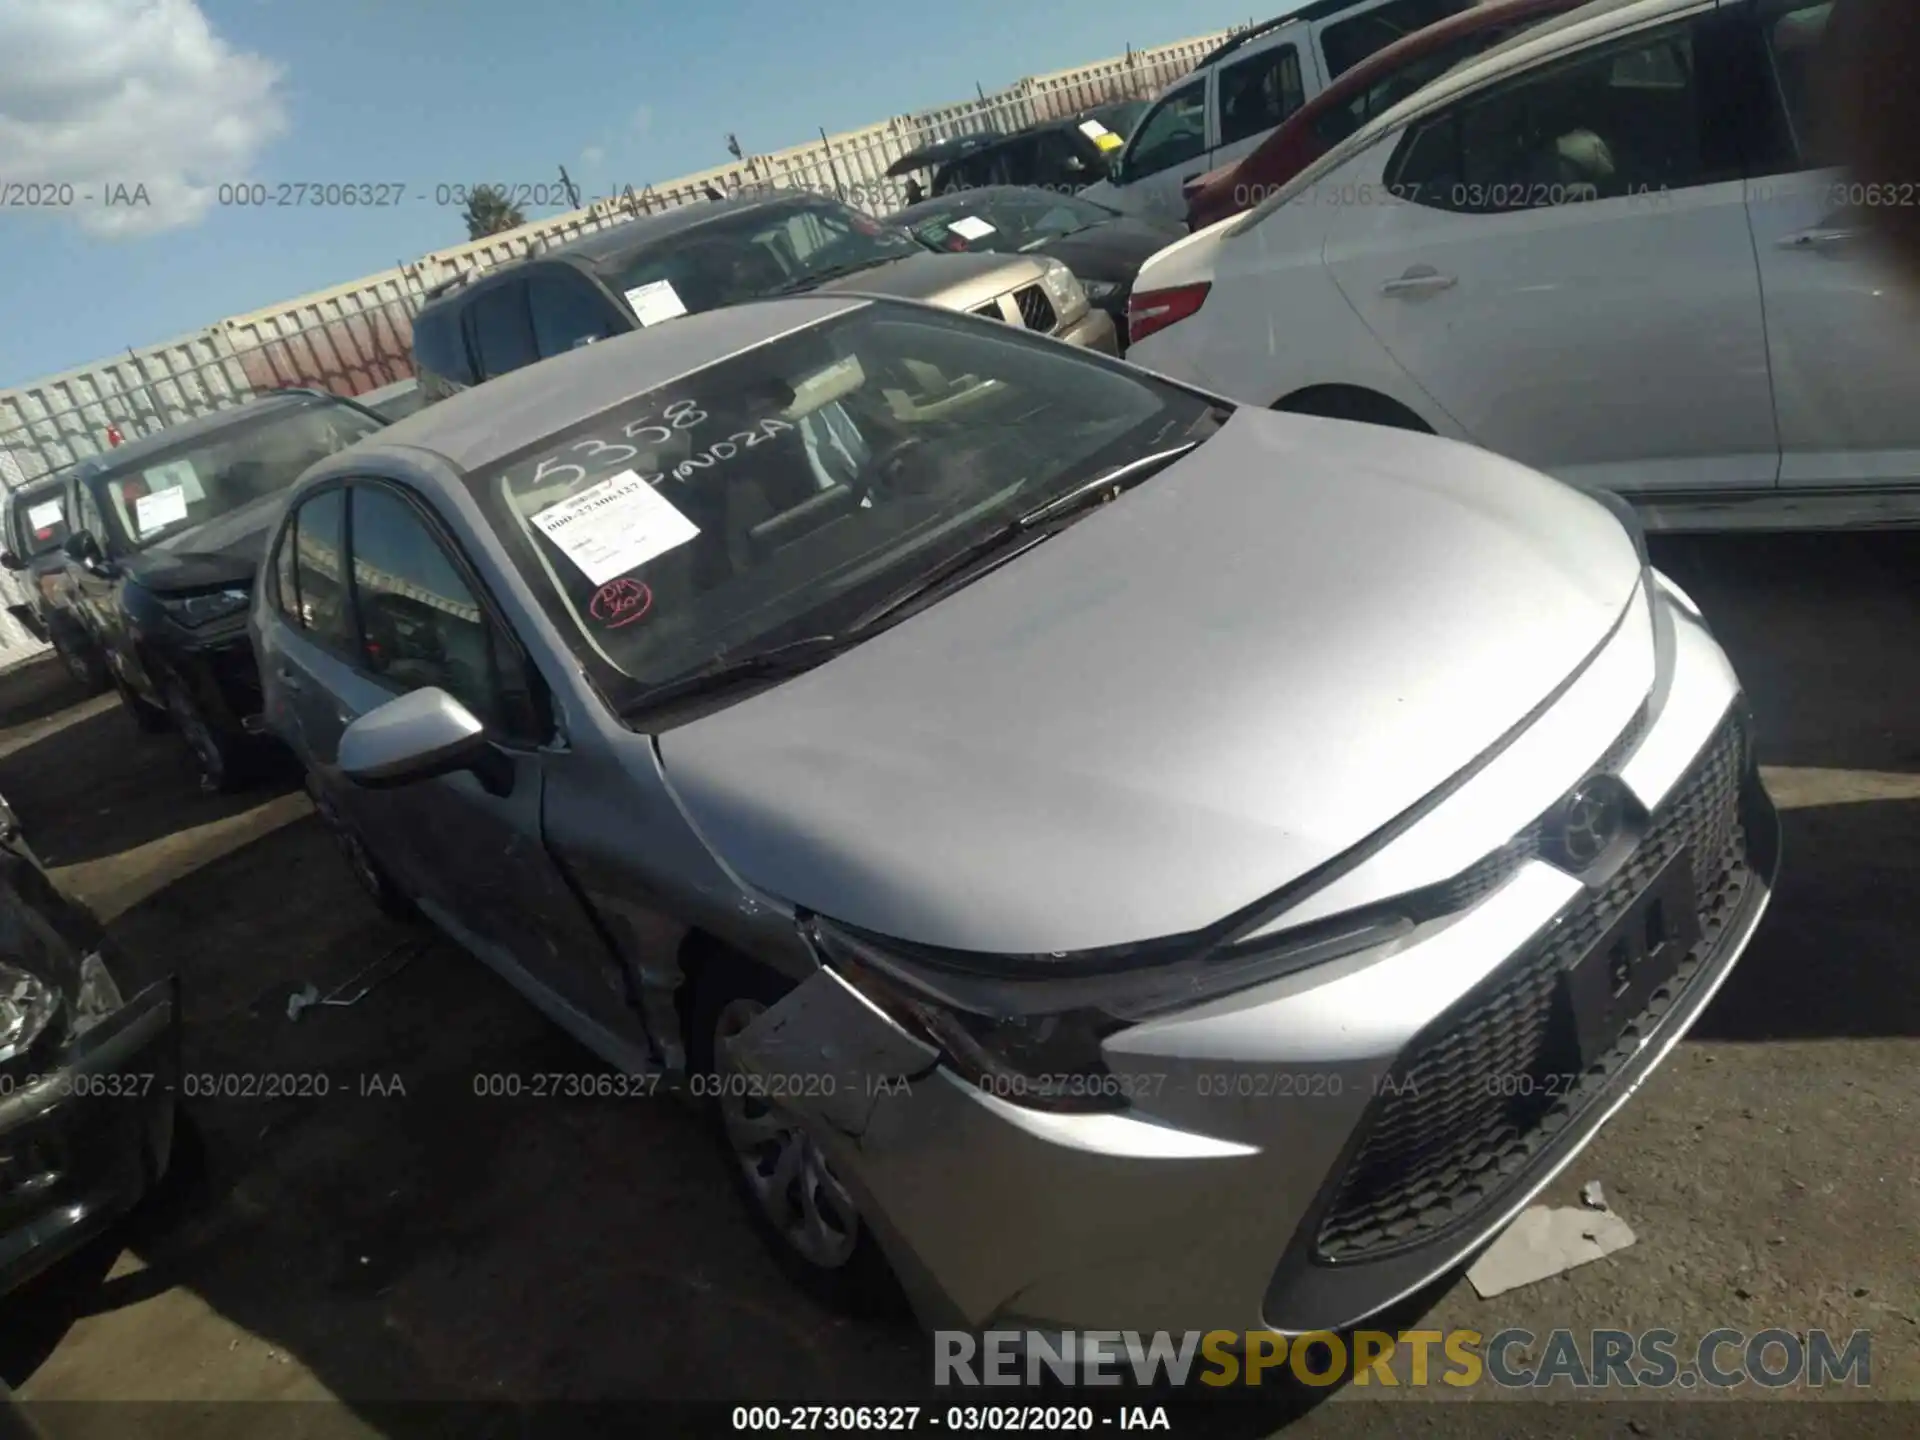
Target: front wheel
{"x": 802, "y": 1211}
{"x": 83, "y": 662}
{"x": 217, "y": 757}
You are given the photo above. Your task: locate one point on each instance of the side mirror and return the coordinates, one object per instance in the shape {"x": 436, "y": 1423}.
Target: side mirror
{"x": 417, "y": 736}
{"x": 83, "y": 549}
{"x": 10, "y": 561}
{"x": 1074, "y": 165}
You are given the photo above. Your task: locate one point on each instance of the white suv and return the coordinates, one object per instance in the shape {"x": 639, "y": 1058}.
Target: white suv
{"x": 1237, "y": 95}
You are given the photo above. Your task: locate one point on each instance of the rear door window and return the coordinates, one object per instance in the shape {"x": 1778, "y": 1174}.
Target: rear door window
{"x": 568, "y": 311}
{"x": 313, "y": 588}
{"x": 438, "y": 346}
{"x": 502, "y": 330}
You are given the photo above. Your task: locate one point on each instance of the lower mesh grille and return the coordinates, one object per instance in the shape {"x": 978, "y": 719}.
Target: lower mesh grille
{"x": 1471, "y": 1104}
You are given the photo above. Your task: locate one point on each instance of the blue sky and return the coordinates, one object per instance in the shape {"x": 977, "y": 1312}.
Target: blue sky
{"x": 431, "y": 92}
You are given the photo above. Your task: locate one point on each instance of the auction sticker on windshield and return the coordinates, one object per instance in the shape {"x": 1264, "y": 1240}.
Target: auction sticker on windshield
{"x": 655, "y": 301}
{"x": 970, "y": 227}
{"x": 160, "y": 509}
{"x": 1100, "y": 135}
{"x": 45, "y": 517}
{"x": 615, "y": 526}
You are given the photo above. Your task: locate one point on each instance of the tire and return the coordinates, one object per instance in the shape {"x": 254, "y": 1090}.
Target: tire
{"x": 220, "y": 760}
{"x": 83, "y": 662}
{"x": 1365, "y": 407}
{"x": 151, "y": 719}
{"x": 371, "y": 876}
{"x": 810, "y": 1225}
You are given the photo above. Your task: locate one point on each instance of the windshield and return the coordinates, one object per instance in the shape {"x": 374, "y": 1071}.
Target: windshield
{"x": 1122, "y": 118}
{"x": 761, "y": 251}
{"x": 1015, "y": 220}
{"x": 37, "y": 523}
{"x": 166, "y": 493}
{"x": 778, "y": 493}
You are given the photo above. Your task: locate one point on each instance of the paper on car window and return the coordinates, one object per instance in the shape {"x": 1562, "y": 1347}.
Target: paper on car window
{"x": 160, "y": 509}
{"x": 1093, "y": 130}
{"x": 1108, "y": 141}
{"x": 655, "y": 301}
{"x": 175, "y": 473}
{"x": 45, "y": 516}
{"x": 615, "y": 526}
{"x": 970, "y": 227}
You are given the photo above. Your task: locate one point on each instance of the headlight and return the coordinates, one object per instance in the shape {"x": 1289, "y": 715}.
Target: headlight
{"x": 1063, "y": 288}
{"x": 198, "y": 610}
{"x": 1030, "y": 1028}
{"x": 27, "y": 1005}
{"x": 1102, "y": 291}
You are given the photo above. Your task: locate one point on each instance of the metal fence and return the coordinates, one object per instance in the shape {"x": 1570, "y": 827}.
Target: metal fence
{"x": 358, "y": 336}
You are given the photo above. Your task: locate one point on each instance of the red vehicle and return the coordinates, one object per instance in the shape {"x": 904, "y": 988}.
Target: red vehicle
{"x": 1375, "y": 85}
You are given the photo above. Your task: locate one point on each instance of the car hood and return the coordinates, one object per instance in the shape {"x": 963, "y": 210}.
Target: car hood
{"x": 1113, "y": 251}
{"x": 1175, "y": 707}
{"x": 224, "y": 552}
{"x": 957, "y": 280}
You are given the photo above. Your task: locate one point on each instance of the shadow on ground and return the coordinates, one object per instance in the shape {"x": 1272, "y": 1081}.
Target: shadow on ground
{"x": 1820, "y": 629}
{"x": 99, "y": 787}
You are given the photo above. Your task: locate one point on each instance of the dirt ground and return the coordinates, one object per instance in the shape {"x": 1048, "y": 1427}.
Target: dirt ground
{"x": 402, "y": 1240}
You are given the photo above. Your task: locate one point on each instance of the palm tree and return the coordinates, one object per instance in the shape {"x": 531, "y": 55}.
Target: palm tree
{"x": 488, "y": 212}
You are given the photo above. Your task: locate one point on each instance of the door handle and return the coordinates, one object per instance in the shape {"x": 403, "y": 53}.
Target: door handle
{"x": 1420, "y": 280}
{"x": 1819, "y": 239}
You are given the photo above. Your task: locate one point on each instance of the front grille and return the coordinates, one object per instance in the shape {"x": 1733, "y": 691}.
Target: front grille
{"x": 1036, "y": 310}
{"x": 1447, "y": 1131}
{"x": 1489, "y": 873}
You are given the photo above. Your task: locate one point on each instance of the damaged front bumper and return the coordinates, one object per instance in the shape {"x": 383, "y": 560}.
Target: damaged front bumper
{"x": 1305, "y": 1153}
{"x": 85, "y": 1139}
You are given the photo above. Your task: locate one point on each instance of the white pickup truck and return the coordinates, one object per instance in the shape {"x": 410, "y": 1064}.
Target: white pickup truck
{"x": 1238, "y": 94}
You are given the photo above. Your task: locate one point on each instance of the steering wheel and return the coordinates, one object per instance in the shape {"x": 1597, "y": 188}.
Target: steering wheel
{"x": 885, "y": 466}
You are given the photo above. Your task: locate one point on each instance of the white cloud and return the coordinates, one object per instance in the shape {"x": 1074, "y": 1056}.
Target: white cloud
{"x": 642, "y": 120}
{"x": 593, "y": 157}
{"x": 99, "y": 93}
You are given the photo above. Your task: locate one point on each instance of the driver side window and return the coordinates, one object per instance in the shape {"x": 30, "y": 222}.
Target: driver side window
{"x": 421, "y": 623}
{"x": 1173, "y": 132}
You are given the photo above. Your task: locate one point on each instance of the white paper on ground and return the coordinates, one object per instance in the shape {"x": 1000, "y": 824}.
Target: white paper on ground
{"x": 160, "y": 509}
{"x": 176, "y": 473}
{"x": 970, "y": 227}
{"x": 1542, "y": 1242}
{"x": 46, "y": 516}
{"x": 655, "y": 301}
{"x": 615, "y": 526}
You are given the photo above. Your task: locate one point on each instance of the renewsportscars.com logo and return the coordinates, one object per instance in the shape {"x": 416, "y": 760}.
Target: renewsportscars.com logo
{"x": 1511, "y": 1359}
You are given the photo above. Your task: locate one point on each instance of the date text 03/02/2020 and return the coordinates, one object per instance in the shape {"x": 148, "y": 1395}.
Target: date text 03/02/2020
{"x": 955, "y": 1419}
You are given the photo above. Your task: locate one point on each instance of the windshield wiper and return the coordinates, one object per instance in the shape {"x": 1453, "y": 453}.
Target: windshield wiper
{"x": 1081, "y": 498}
{"x": 788, "y": 658}
{"x": 833, "y": 272}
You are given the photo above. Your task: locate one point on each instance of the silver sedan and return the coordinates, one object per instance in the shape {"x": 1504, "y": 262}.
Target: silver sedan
{"x": 1111, "y": 859}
